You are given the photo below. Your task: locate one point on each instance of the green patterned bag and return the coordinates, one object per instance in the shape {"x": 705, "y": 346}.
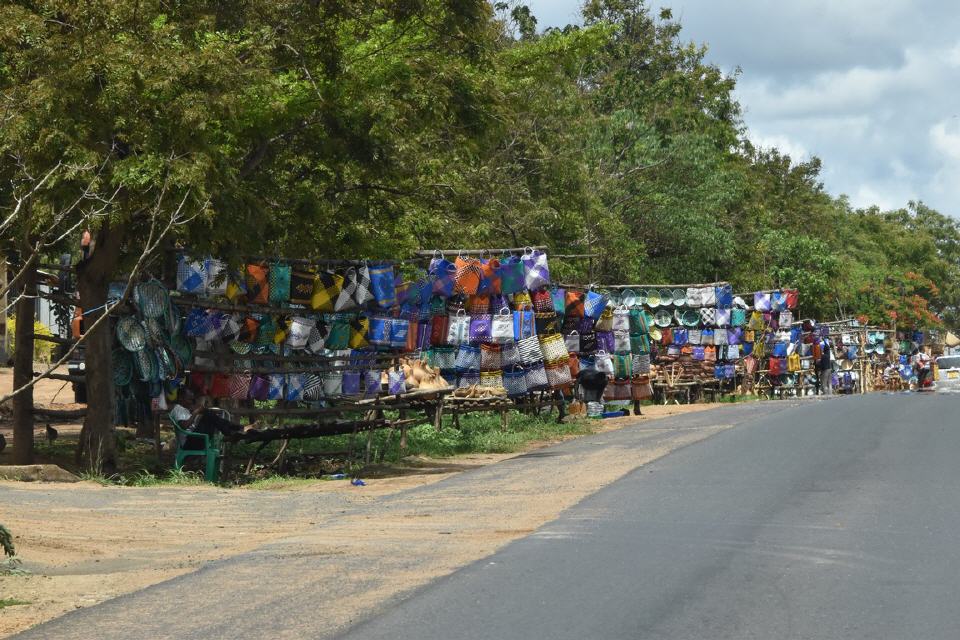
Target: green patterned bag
{"x": 280, "y": 283}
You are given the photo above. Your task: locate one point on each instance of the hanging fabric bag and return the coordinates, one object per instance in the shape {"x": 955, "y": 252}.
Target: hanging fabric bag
{"x": 258, "y": 284}
{"x": 459, "y": 328}
{"x": 524, "y": 324}
{"x": 383, "y": 285}
{"x": 535, "y": 270}
{"x": 574, "y": 303}
{"x": 326, "y": 291}
{"x": 501, "y": 327}
{"x": 191, "y": 276}
{"x": 480, "y": 328}
{"x": 468, "y": 276}
{"x": 279, "y": 286}
{"x": 512, "y": 278}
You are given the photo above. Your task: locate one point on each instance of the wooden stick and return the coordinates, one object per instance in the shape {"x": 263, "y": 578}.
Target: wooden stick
{"x": 475, "y": 252}
{"x": 638, "y": 286}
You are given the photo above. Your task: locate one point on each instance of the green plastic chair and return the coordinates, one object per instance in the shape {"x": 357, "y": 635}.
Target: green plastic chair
{"x": 210, "y": 450}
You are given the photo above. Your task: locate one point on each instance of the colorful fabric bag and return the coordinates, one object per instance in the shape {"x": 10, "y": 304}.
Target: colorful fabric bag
{"x": 258, "y": 284}
{"x": 468, "y": 358}
{"x": 536, "y": 272}
{"x": 480, "y": 328}
{"x": 458, "y": 331}
{"x": 546, "y": 323}
{"x": 501, "y": 327}
{"x": 594, "y": 304}
{"x": 468, "y": 276}
{"x": 761, "y": 301}
{"x": 399, "y": 333}
{"x": 326, "y": 291}
{"x": 542, "y": 301}
{"x": 524, "y": 324}
{"x": 279, "y": 289}
{"x": 444, "y": 275}
{"x": 383, "y": 285}
{"x": 529, "y": 350}
{"x": 191, "y": 276}
{"x": 574, "y": 304}
{"x": 512, "y": 277}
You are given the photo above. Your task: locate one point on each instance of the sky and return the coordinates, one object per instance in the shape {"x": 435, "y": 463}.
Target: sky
{"x": 872, "y": 88}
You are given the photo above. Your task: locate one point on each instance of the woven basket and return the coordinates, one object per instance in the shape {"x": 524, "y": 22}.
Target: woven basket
{"x": 536, "y": 377}
{"x": 515, "y": 382}
{"x": 491, "y": 358}
{"x": 530, "y": 351}
{"x": 131, "y": 334}
{"x": 558, "y": 375}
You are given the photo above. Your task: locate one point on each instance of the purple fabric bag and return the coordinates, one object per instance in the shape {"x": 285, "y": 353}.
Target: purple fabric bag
{"x": 606, "y": 341}
{"x": 351, "y": 383}
{"x": 586, "y": 325}
{"x": 480, "y": 328}
{"x": 259, "y": 388}
{"x": 535, "y": 270}
{"x": 399, "y": 329}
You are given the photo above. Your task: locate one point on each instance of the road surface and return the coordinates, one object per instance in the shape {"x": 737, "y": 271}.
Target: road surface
{"x": 833, "y": 519}
{"x": 836, "y": 520}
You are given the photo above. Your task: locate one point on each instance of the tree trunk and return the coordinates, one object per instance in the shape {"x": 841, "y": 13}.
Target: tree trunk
{"x": 97, "y": 446}
{"x": 23, "y": 370}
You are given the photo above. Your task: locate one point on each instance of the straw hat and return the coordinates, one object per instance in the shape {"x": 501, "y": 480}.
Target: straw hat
{"x": 630, "y": 298}
{"x": 655, "y": 334}
{"x": 679, "y": 297}
{"x": 653, "y": 298}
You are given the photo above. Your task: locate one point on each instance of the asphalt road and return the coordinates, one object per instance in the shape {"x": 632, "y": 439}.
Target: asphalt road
{"x": 833, "y": 520}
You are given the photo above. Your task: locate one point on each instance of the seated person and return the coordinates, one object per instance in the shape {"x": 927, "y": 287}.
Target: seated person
{"x": 200, "y": 420}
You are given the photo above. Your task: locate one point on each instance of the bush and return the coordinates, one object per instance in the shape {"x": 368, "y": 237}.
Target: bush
{"x": 42, "y": 350}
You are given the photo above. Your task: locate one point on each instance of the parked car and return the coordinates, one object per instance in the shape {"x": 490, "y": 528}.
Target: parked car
{"x": 948, "y": 373}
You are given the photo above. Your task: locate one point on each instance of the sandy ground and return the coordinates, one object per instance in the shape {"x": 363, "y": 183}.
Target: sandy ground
{"x": 85, "y": 543}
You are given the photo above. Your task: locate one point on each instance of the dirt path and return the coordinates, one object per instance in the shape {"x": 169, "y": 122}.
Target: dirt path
{"x": 85, "y": 543}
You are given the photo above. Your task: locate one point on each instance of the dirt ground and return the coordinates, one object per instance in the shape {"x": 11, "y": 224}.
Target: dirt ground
{"x": 85, "y": 543}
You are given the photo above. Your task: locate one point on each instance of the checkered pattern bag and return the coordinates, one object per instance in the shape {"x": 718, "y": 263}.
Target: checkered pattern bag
{"x": 443, "y": 358}
{"x": 296, "y": 386}
{"x": 554, "y": 348}
{"x": 723, "y": 317}
{"x": 694, "y": 297}
{"x": 786, "y": 318}
{"x": 363, "y": 294}
{"x": 720, "y": 337}
{"x": 191, "y": 276}
{"x": 694, "y": 336}
{"x": 536, "y": 272}
{"x": 326, "y": 291}
{"x": 277, "y": 382}
{"x": 738, "y": 317}
{"x": 708, "y": 316}
{"x": 347, "y": 298}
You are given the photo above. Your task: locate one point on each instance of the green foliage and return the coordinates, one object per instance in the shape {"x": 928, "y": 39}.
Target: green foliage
{"x": 376, "y": 127}
{"x": 42, "y": 350}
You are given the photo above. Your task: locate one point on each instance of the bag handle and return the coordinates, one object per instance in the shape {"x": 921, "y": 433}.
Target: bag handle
{"x": 504, "y": 311}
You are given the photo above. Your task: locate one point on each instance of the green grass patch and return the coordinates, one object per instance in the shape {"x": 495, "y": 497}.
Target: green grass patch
{"x": 12, "y": 602}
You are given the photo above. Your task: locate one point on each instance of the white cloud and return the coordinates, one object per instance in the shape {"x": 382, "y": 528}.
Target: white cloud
{"x": 945, "y": 136}
{"x": 795, "y": 150}
{"x": 870, "y": 88}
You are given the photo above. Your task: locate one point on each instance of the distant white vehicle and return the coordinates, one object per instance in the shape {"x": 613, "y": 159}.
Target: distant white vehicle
{"x": 948, "y": 373}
